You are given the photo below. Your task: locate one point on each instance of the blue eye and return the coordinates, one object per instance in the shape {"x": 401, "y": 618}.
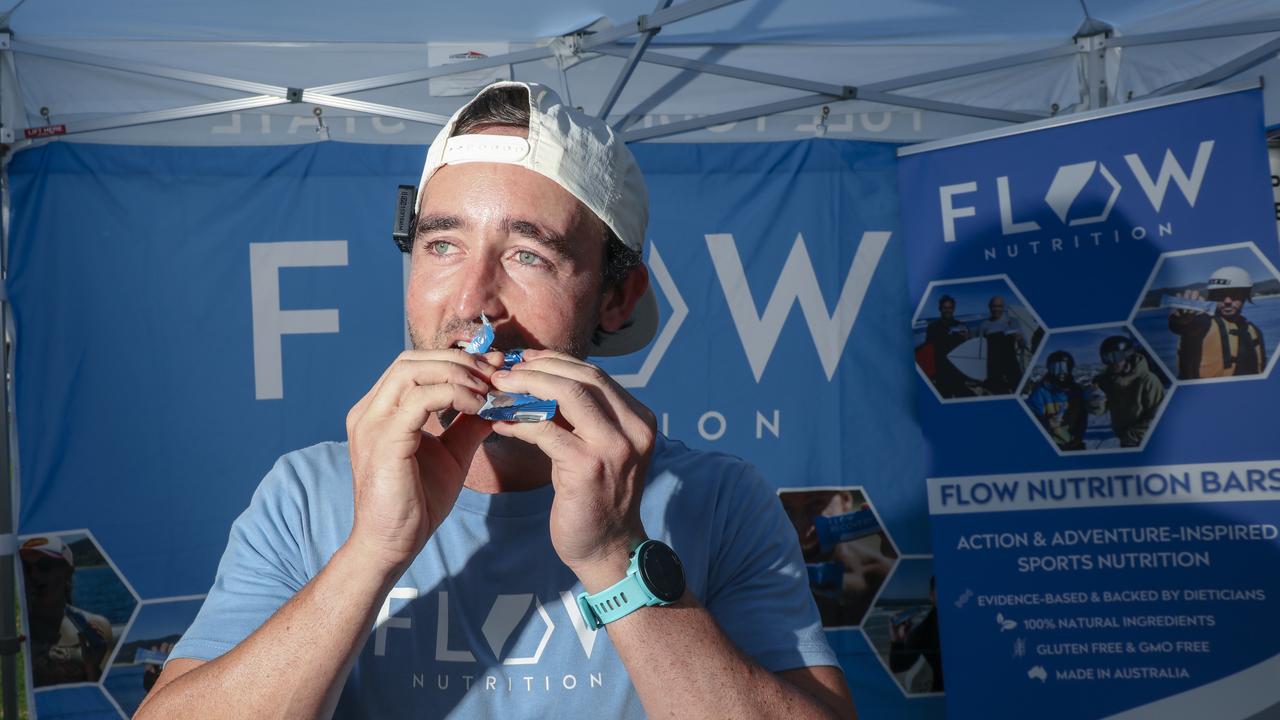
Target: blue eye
{"x": 524, "y": 257}
{"x": 439, "y": 247}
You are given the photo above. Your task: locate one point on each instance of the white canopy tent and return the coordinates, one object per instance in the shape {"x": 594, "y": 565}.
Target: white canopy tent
{"x": 240, "y": 72}
{"x": 163, "y": 73}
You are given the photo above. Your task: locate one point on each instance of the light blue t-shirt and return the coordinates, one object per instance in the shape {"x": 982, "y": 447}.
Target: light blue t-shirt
{"x": 484, "y": 623}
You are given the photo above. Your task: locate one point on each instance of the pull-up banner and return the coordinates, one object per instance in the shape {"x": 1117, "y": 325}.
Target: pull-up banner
{"x": 1097, "y": 315}
{"x": 184, "y": 316}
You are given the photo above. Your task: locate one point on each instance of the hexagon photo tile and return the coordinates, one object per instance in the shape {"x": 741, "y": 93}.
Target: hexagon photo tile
{"x": 1095, "y": 388}
{"x": 847, "y": 552}
{"x": 77, "y": 607}
{"x": 144, "y": 649}
{"x": 902, "y": 627}
{"x": 1212, "y": 314}
{"x": 974, "y": 338}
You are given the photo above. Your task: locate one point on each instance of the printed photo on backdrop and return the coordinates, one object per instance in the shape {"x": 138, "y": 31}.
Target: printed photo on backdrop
{"x": 1211, "y": 314}
{"x": 1095, "y": 388}
{"x": 76, "y": 607}
{"x": 974, "y": 338}
{"x": 847, "y": 552}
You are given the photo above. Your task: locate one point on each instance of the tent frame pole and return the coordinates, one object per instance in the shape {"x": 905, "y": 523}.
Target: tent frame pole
{"x": 9, "y": 639}
{"x": 1209, "y": 32}
{"x": 159, "y": 71}
{"x": 633, "y": 59}
{"x": 676, "y": 128}
{"x": 836, "y": 92}
{"x": 1257, "y": 56}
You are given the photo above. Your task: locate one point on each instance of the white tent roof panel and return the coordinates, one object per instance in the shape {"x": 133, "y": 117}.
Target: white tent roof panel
{"x": 291, "y": 44}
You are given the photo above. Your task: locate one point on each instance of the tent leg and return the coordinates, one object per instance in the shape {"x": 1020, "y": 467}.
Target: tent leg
{"x": 9, "y": 644}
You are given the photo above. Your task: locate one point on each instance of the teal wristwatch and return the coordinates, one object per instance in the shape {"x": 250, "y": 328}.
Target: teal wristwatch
{"x": 655, "y": 577}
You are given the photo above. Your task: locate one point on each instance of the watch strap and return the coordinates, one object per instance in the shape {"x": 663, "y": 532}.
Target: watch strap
{"x": 614, "y": 602}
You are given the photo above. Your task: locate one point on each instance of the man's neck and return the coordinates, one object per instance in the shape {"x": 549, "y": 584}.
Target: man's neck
{"x": 508, "y": 465}
{"x": 503, "y": 464}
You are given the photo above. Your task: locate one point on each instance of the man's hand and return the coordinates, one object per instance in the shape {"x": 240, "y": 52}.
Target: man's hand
{"x": 1188, "y": 295}
{"x": 93, "y": 652}
{"x": 405, "y": 479}
{"x": 599, "y": 444}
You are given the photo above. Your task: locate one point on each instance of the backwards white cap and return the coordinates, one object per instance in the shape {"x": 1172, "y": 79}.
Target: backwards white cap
{"x": 581, "y": 154}
{"x": 49, "y": 546}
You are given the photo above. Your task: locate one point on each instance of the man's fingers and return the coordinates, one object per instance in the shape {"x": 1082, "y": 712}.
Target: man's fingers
{"x": 620, "y": 403}
{"x": 417, "y": 404}
{"x": 407, "y": 374}
{"x": 486, "y": 362}
{"x": 559, "y": 444}
{"x": 578, "y": 402}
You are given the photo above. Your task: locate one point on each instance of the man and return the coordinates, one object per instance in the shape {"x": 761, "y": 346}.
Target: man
{"x": 946, "y": 334}
{"x": 1004, "y": 338}
{"x": 68, "y": 644}
{"x": 1133, "y": 392}
{"x": 908, "y": 643}
{"x": 1223, "y": 344}
{"x": 486, "y": 556}
{"x": 1058, "y": 402}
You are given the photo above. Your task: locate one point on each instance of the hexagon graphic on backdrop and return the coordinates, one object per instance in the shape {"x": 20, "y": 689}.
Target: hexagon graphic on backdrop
{"x": 1084, "y": 404}
{"x": 76, "y": 607}
{"x": 1232, "y": 337}
{"x": 974, "y": 338}
{"x": 902, "y": 628}
{"x": 847, "y": 550}
{"x": 145, "y": 647}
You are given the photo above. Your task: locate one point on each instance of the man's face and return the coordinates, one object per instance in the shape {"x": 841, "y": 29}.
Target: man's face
{"x": 508, "y": 242}
{"x": 1230, "y": 302}
{"x": 997, "y": 308}
{"x": 947, "y": 310}
{"x": 46, "y": 581}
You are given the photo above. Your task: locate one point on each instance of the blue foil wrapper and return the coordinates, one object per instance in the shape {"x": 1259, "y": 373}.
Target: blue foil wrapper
{"x": 841, "y": 528}
{"x": 149, "y": 656}
{"x": 514, "y": 407}
{"x": 483, "y": 338}
{"x": 1208, "y": 307}
{"x": 826, "y": 575}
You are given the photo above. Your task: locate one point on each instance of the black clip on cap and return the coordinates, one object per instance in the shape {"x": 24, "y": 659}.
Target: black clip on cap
{"x": 406, "y": 204}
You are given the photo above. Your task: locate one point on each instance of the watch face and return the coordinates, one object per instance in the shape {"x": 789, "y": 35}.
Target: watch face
{"x": 661, "y": 571}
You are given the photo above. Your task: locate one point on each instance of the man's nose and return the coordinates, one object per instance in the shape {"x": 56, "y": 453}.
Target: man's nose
{"x": 480, "y": 289}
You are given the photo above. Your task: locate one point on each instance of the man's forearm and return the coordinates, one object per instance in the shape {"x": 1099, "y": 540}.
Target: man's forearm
{"x": 295, "y": 665}
{"x": 683, "y": 665}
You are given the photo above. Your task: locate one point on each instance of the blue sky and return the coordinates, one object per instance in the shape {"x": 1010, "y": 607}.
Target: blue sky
{"x": 910, "y": 581}
{"x": 163, "y": 619}
{"x": 1188, "y": 269}
{"x": 971, "y": 298}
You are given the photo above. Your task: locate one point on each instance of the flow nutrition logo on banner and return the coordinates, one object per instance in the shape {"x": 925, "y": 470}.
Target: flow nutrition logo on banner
{"x": 1096, "y": 325}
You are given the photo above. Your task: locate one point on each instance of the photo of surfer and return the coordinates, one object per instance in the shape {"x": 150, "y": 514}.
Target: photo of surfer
{"x": 903, "y": 628}
{"x": 1212, "y": 314}
{"x": 145, "y": 648}
{"x": 76, "y": 607}
{"x": 980, "y": 341}
{"x": 1095, "y": 389}
{"x": 846, "y": 551}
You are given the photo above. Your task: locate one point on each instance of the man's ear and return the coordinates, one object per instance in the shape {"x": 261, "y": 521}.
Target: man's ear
{"x": 618, "y": 301}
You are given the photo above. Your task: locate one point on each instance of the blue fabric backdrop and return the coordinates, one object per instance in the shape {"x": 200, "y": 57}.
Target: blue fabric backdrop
{"x": 138, "y": 401}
